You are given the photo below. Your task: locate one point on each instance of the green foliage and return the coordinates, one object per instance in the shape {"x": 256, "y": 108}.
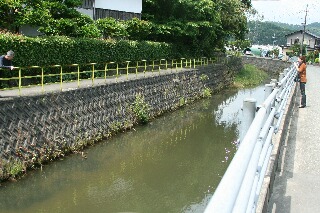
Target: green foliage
{"x": 141, "y": 109}
{"x": 43, "y": 51}
{"x": 207, "y": 92}
{"x": 312, "y": 56}
{"x": 296, "y": 49}
{"x": 111, "y": 28}
{"x": 204, "y": 77}
{"x": 138, "y": 29}
{"x": 11, "y": 169}
{"x": 250, "y": 76}
{"x": 266, "y": 33}
{"x": 316, "y": 60}
{"x": 196, "y": 27}
{"x": 15, "y": 13}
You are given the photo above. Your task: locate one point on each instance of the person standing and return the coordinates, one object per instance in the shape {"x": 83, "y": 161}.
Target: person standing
{"x": 6, "y": 60}
{"x": 301, "y": 66}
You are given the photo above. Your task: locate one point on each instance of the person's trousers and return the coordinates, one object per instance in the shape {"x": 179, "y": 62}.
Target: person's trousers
{"x": 303, "y": 93}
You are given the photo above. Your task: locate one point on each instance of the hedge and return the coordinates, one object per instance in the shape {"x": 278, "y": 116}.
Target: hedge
{"x": 44, "y": 51}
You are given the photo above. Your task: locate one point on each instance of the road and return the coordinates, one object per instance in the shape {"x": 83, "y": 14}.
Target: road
{"x": 296, "y": 187}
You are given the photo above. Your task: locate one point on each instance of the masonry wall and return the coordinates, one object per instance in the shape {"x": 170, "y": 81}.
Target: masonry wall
{"x": 269, "y": 65}
{"x": 40, "y": 128}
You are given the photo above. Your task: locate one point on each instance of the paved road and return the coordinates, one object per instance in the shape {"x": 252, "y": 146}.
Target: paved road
{"x": 297, "y": 182}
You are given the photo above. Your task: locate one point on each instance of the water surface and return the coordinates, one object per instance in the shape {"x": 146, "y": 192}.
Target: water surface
{"x": 172, "y": 164}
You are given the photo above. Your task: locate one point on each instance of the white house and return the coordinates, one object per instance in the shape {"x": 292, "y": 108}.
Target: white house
{"x": 311, "y": 41}
{"x": 118, "y": 9}
{"x": 96, "y": 9}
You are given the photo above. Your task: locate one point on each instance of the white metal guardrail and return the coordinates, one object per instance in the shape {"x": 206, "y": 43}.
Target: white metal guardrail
{"x": 240, "y": 186}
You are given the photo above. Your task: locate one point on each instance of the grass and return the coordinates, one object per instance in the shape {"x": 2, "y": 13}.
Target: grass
{"x": 249, "y": 76}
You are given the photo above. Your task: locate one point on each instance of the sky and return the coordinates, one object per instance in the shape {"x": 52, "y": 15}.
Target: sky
{"x": 288, "y": 11}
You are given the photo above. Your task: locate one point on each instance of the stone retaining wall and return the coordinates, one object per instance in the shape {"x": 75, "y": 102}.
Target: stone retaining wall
{"x": 36, "y": 129}
{"x": 40, "y": 128}
{"x": 269, "y": 65}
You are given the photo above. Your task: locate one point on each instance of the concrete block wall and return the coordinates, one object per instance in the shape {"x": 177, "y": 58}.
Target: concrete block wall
{"x": 269, "y": 65}
{"x": 39, "y": 128}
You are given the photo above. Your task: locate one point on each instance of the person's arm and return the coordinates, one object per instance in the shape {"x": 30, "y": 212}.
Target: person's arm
{"x": 1, "y": 61}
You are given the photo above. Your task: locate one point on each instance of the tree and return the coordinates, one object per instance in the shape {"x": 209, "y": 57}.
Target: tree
{"x": 46, "y": 14}
{"x": 111, "y": 28}
{"x": 200, "y": 25}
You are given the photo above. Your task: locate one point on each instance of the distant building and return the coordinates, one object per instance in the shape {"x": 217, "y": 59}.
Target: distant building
{"x": 311, "y": 41}
{"x": 97, "y": 9}
{"x": 122, "y": 10}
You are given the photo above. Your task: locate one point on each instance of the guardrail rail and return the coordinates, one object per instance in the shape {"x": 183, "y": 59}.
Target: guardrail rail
{"x": 241, "y": 184}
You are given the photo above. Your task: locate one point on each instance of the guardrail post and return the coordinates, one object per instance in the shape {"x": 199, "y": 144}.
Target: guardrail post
{"x": 42, "y": 80}
{"x": 267, "y": 90}
{"x": 61, "y": 76}
{"x": 248, "y": 114}
{"x": 137, "y": 66}
{"x": 281, "y": 75}
{"x": 117, "y": 69}
{"x": 273, "y": 82}
{"x": 128, "y": 62}
{"x": 181, "y": 65}
{"x": 92, "y": 76}
{"x": 105, "y": 72}
{"x": 19, "y": 81}
{"x": 145, "y": 67}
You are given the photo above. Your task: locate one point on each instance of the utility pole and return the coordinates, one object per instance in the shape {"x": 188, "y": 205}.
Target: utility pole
{"x": 304, "y": 30}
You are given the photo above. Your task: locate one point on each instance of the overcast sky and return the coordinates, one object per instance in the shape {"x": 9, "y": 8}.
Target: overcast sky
{"x": 288, "y": 11}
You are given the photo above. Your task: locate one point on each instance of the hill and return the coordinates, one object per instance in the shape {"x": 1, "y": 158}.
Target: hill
{"x": 274, "y": 32}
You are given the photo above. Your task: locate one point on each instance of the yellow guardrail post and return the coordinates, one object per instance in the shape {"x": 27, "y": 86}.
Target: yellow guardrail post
{"x": 19, "y": 81}
{"x": 61, "y": 76}
{"x": 181, "y": 66}
{"x": 171, "y": 64}
{"x": 145, "y": 67}
{"x": 137, "y": 66}
{"x": 42, "y": 80}
{"x": 152, "y": 67}
{"x": 117, "y": 69}
{"x": 176, "y": 65}
{"x": 127, "y": 68}
{"x": 92, "y": 76}
{"x": 78, "y": 74}
{"x": 105, "y": 72}
{"x": 159, "y": 67}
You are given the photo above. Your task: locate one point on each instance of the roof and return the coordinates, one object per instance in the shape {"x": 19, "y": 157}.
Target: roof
{"x": 307, "y": 32}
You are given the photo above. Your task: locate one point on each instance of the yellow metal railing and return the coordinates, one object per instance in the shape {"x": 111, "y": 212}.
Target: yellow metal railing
{"x": 60, "y": 74}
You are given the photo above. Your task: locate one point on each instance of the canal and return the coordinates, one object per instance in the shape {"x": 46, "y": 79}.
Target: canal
{"x": 172, "y": 164}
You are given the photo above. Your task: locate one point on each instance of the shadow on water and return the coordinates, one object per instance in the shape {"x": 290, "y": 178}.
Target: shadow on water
{"x": 173, "y": 164}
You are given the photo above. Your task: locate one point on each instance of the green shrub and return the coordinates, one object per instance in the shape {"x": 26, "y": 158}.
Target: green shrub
{"x": 250, "y": 76}
{"x": 51, "y": 50}
{"x": 141, "y": 109}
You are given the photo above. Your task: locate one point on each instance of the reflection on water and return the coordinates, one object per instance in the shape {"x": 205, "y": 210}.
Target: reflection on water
{"x": 173, "y": 164}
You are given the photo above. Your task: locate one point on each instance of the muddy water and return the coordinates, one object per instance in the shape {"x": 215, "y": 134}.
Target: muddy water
{"x": 172, "y": 164}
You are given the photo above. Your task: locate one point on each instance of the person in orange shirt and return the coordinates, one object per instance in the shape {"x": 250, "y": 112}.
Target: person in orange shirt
{"x": 301, "y": 66}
